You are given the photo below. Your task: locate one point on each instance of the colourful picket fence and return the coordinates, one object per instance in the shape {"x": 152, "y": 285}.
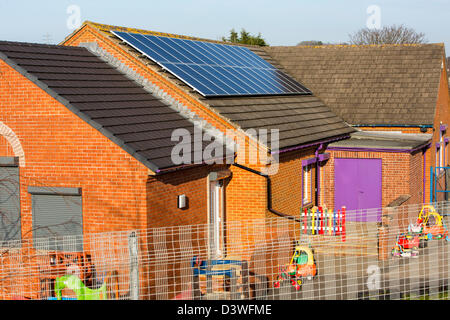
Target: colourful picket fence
{"x": 322, "y": 221}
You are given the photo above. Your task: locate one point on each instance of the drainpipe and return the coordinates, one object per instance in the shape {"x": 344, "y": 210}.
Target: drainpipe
{"x": 269, "y": 186}
{"x": 425, "y": 171}
{"x": 269, "y": 193}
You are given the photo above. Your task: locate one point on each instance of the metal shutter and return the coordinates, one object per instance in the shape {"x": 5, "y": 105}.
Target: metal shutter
{"x": 57, "y": 222}
{"x": 9, "y": 206}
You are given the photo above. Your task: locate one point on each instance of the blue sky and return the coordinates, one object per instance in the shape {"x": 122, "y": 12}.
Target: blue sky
{"x": 282, "y": 22}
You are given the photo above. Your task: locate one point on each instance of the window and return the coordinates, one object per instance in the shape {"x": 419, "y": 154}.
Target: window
{"x": 446, "y": 141}
{"x": 57, "y": 218}
{"x": 438, "y": 152}
{"x": 307, "y": 184}
{"x": 10, "y": 231}
{"x": 216, "y": 191}
{"x": 441, "y": 150}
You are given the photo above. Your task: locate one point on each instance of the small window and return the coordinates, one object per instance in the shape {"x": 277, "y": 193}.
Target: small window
{"x": 441, "y": 150}
{"x": 307, "y": 184}
{"x": 10, "y": 230}
{"x": 57, "y": 219}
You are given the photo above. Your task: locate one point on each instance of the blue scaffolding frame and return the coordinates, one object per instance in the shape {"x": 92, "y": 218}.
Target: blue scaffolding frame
{"x": 434, "y": 176}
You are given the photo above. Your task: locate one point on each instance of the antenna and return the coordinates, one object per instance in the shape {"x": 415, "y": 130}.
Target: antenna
{"x": 47, "y": 38}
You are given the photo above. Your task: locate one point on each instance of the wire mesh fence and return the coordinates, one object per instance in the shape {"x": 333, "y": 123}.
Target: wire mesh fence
{"x": 386, "y": 253}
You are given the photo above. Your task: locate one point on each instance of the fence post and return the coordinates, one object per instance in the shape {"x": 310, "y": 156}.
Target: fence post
{"x": 431, "y": 184}
{"x": 245, "y": 282}
{"x": 338, "y": 223}
{"x": 333, "y": 215}
{"x": 330, "y": 222}
{"x": 321, "y": 220}
{"x": 305, "y": 221}
{"x": 134, "y": 265}
{"x": 343, "y": 224}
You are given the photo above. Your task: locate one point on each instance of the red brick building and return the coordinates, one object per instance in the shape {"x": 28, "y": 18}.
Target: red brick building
{"x": 306, "y": 125}
{"x": 85, "y": 149}
{"x": 388, "y": 88}
{"x": 94, "y": 125}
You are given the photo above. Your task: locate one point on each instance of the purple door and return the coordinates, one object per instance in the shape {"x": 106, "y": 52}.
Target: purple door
{"x": 357, "y": 186}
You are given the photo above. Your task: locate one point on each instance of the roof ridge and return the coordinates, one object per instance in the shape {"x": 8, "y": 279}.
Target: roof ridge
{"x": 441, "y": 44}
{"x": 108, "y": 27}
{"x": 36, "y": 44}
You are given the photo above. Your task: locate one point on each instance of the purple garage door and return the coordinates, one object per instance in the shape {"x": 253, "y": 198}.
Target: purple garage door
{"x": 358, "y": 187}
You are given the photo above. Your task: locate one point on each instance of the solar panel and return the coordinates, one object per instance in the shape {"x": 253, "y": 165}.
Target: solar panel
{"x": 214, "y": 69}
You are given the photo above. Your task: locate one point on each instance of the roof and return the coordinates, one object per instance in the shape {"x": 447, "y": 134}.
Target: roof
{"x": 114, "y": 104}
{"x": 300, "y": 119}
{"x": 370, "y": 84}
{"x": 384, "y": 141}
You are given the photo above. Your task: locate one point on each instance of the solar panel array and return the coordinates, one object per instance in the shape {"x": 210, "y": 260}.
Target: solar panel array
{"x": 214, "y": 69}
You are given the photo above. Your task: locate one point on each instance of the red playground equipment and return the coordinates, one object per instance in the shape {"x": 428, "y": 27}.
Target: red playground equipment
{"x": 407, "y": 245}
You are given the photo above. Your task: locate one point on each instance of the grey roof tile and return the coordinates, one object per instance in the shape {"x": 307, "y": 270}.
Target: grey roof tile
{"x": 368, "y": 85}
{"x": 136, "y": 119}
{"x": 268, "y": 112}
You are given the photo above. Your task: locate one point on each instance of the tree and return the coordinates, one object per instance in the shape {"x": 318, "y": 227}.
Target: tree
{"x": 310, "y": 43}
{"x": 318, "y": 43}
{"x": 387, "y": 35}
{"x": 245, "y": 37}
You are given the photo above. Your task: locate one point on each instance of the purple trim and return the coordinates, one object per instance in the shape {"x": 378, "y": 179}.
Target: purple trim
{"x": 424, "y": 173}
{"x": 303, "y": 184}
{"x": 443, "y": 127}
{"x": 375, "y": 149}
{"x": 308, "y": 162}
{"x": 311, "y": 144}
{"x": 438, "y": 145}
{"x": 424, "y": 170}
{"x": 446, "y": 140}
{"x": 324, "y": 156}
{"x": 318, "y": 173}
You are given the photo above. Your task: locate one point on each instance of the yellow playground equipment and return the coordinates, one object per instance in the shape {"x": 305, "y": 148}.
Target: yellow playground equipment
{"x": 430, "y": 225}
{"x": 302, "y": 266}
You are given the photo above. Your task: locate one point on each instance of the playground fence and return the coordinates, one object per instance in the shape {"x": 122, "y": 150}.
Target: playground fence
{"x": 270, "y": 258}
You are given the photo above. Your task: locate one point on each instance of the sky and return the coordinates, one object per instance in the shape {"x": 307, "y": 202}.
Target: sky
{"x": 282, "y": 22}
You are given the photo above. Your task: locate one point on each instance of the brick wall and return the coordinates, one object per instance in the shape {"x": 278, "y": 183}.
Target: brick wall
{"x": 442, "y": 114}
{"x": 62, "y": 150}
{"x": 246, "y": 195}
{"x": 287, "y": 185}
{"x": 416, "y": 178}
{"x": 162, "y": 192}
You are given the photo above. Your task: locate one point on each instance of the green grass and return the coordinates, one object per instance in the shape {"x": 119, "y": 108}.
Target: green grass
{"x": 438, "y": 296}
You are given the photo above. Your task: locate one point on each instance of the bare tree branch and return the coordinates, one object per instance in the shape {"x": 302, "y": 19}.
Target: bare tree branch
{"x": 387, "y": 35}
